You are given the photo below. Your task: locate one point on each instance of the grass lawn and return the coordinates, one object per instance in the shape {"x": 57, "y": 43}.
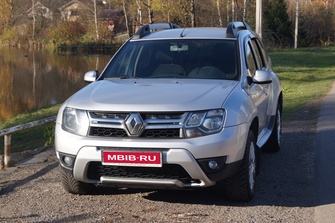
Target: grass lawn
{"x": 31, "y": 138}
{"x": 306, "y": 74}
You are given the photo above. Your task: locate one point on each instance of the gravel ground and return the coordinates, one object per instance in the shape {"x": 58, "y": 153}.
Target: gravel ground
{"x": 285, "y": 192}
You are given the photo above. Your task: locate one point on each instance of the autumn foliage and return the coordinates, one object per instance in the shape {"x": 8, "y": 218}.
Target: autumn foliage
{"x": 66, "y": 32}
{"x": 316, "y": 19}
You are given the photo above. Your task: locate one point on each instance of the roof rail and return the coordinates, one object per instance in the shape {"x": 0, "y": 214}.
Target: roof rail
{"x": 233, "y": 27}
{"x": 149, "y": 28}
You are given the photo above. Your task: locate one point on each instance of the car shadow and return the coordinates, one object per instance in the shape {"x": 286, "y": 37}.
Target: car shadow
{"x": 42, "y": 172}
{"x": 286, "y": 179}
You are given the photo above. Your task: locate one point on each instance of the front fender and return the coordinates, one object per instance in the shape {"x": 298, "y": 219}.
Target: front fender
{"x": 276, "y": 91}
{"x": 240, "y": 108}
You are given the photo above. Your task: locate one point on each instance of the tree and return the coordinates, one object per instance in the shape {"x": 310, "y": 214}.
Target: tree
{"x": 5, "y": 14}
{"x": 234, "y": 10}
{"x": 34, "y": 17}
{"x": 181, "y": 12}
{"x": 150, "y": 11}
{"x": 192, "y": 13}
{"x": 277, "y": 21}
{"x": 219, "y": 12}
{"x": 139, "y": 12}
{"x": 95, "y": 18}
{"x": 160, "y": 6}
{"x": 126, "y": 16}
{"x": 316, "y": 21}
{"x": 296, "y": 28}
{"x": 66, "y": 32}
{"x": 245, "y": 5}
{"x": 279, "y": 15}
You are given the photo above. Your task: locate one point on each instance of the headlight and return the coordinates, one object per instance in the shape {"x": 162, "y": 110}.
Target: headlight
{"x": 75, "y": 121}
{"x": 204, "y": 123}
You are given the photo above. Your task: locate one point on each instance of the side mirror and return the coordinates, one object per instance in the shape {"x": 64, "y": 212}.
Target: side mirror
{"x": 262, "y": 77}
{"x": 91, "y": 76}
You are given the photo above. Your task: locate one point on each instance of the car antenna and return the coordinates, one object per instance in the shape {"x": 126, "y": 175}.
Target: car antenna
{"x": 181, "y": 34}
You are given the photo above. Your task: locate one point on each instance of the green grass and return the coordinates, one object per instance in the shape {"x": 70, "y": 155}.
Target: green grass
{"x": 306, "y": 74}
{"x": 31, "y": 138}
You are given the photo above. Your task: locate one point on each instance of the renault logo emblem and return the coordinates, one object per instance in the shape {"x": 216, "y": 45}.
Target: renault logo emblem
{"x": 134, "y": 124}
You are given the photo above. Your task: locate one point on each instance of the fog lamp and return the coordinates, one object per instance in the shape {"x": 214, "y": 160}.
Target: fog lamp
{"x": 68, "y": 161}
{"x": 213, "y": 165}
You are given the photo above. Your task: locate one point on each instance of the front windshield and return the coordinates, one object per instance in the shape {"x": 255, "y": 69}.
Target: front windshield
{"x": 185, "y": 58}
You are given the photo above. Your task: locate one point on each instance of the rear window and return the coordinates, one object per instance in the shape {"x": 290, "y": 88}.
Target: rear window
{"x": 198, "y": 59}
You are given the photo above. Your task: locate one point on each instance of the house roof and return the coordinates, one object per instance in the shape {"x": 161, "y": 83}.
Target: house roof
{"x": 63, "y": 7}
{"x": 110, "y": 13}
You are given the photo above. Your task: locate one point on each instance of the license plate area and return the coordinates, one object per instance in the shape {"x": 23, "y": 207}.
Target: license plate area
{"x": 132, "y": 158}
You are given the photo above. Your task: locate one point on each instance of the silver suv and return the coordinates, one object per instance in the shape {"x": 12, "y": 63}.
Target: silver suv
{"x": 175, "y": 108}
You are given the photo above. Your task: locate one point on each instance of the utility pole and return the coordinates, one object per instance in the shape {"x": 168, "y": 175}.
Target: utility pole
{"x": 259, "y": 17}
{"x": 296, "y": 25}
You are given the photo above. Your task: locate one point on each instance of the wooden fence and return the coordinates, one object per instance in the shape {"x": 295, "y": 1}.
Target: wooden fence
{"x": 7, "y": 133}
{"x": 77, "y": 49}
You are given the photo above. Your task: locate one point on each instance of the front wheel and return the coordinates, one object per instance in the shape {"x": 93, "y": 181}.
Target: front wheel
{"x": 241, "y": 186}
{"x": 73, "y": 186}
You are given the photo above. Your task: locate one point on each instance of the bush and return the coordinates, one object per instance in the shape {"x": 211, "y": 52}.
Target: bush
{"x": 66, "y": 32}
{"x": 8, "y": 35}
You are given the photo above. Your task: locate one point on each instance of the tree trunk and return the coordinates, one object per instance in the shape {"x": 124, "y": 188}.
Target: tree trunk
{"x": 150, "y": 12}
{"x": 219, "y": 13}
{"x": 168, "y": 10}
{"x": 96, "y": 19}
{"x": 139, "y": 12}
{"x": 193, "y": 13}
{"x": 296, "y": 25}
{"x": 34, "y": 18}
{"x": 125, "y": 16}
{"x": 234, "y": 10}
{"x": 228, "y": 18}
{"x": 245, "y": 10}
{"x": 11, "y": 12}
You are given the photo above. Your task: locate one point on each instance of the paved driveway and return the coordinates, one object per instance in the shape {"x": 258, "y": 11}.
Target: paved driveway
{"x": 325, "y": 161}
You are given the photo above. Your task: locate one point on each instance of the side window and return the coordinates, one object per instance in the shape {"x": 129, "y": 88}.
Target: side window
{"x": 257, "y": 54}
{"x": 262, "y": 56}
{"x": 251, "y": 62}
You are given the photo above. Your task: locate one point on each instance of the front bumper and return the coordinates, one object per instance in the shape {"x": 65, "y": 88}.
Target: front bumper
{"x": 183, "y": 159}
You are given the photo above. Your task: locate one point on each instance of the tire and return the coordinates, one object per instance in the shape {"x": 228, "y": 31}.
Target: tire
{"x": 241, "y": 186}
{"x": 73, "y": 186}
{"x": 274, "y": 142}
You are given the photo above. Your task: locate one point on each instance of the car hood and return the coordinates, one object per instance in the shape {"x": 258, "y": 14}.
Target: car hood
{"x": 152, "y": 95}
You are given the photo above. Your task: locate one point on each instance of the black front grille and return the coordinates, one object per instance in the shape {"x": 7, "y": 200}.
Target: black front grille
{"x": 109, "y": 132}
{"x": 161, "y": 133}
{"x": 164, "y": 116}
{"x": 167, "y": 171}
{"x": 108, "y": 115}
{"x": 150, "y": 133}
